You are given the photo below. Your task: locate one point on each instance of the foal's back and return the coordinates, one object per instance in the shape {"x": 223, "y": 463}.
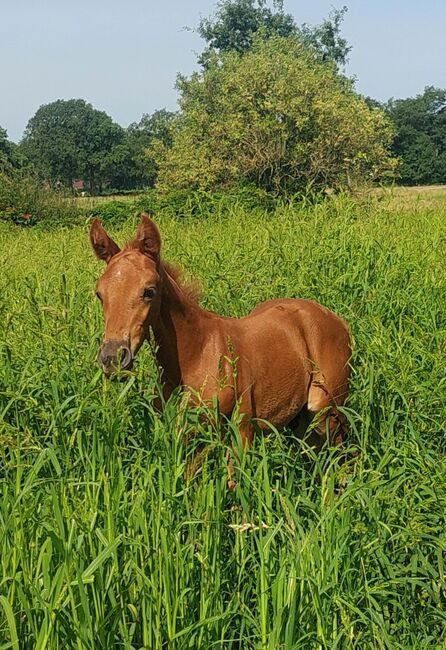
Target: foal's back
{"x": 292, "y": 353}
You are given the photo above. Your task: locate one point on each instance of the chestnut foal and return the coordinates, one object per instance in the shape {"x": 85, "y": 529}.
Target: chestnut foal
{"x": 288, "y": 357}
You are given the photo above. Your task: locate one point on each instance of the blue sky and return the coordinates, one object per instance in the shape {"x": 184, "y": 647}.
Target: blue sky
{"x": 123, "y": 55}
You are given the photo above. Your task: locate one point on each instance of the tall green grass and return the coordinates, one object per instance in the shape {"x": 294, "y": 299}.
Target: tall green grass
{"x": 104, "y": 544}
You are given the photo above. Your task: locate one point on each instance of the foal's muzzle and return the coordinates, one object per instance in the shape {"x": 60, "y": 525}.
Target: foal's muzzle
{"x": 114, "y": 356}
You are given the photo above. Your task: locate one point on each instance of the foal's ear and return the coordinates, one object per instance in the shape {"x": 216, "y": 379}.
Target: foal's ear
{"x": 148, "y": 238}
{"x": 103, "y": 245}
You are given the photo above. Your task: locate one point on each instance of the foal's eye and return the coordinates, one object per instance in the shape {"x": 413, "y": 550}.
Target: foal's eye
{"x": 149, "y": 293}
{"x": 98, "y": 295}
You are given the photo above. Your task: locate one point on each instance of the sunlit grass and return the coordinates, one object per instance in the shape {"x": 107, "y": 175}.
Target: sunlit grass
{"x": 104, "y": 544}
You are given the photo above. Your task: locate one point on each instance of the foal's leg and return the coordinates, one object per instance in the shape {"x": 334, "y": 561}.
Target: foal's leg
{"x": 246, "y": 434}
{"x": 158, "y": 402}
{"x": 226, "y": 400}
{"x": 323, "y": 399}
{"x": 329, "y": 426}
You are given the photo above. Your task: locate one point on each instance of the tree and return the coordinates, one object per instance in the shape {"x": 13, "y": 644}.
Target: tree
{"x": 326, "y": 39}
{"x": 157, "y": 126}
{"x": 9, "y": 154}
{"x": 420, "y": 140}
{"x": 142, "y": 136}
{"x": 238, "y": 22}
{"x": 118, "y": 166}
{"x": 129, "y": 165}
{"x": 277, "y": 117}
{"x": 69, "y": 139}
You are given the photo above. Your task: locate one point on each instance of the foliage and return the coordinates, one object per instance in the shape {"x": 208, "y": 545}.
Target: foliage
{"x": 420, "y": 139}
{"x": 237, "y": 24}
{"x": 184, "y": 203}
{"x": 68, "y": 140}
{"x": 112, "y": 212}
{"x": 25, "y": 201}
{"x": 103, "y": 543}
{"x": 202, "y": 204}
{"x": 275, "y": 117}
{"x": 9, "y": 155}
{"x": 118, "y": 167}
{"x": 155, "y": 127}
{"x": 326, "y": 39}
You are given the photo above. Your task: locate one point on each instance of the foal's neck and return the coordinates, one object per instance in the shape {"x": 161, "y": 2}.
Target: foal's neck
{"x": 180, "y": 331}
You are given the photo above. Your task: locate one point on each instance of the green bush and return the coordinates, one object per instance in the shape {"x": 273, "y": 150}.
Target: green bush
{"x": 275, "y": 117}
{"x": 113, "y": 212}
{"x": 182, "y": 202}
{"x": 25, "y": 201}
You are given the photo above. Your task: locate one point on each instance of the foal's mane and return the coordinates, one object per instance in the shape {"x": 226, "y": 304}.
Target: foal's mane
{"x": 190, "y": 287}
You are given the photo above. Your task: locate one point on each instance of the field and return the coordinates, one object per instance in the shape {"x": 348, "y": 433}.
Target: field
{"x": 104, "y": 544}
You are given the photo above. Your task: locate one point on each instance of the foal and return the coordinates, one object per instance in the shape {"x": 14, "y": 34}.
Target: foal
{"x": 287, "y": 357}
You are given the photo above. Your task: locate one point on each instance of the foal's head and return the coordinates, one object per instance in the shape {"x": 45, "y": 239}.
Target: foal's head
{"x": 129, "y": 291}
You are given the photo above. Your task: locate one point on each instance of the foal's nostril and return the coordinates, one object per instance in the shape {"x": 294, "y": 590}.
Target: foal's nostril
{"x": 125, "y": 358}
{"x": 107, "y": 362}
{"x": 114, "y": 355}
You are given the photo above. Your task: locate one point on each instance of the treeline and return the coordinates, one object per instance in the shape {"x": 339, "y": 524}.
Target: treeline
{"x": 420, "y": 136}
{"x": 69, "y": 141}
{"x": 269, "y": 107}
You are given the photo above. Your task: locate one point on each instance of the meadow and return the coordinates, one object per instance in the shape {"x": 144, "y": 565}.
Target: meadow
{"x": 104, "y": 543}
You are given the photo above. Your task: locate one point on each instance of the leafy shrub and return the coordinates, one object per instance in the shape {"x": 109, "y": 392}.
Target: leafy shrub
{"x": 275, "y": 117}
{"x": 251, "y": 197}
{"x": 25, "y": 201}
{"x": 112, "y": 212}
{"x": 182, "y": 202}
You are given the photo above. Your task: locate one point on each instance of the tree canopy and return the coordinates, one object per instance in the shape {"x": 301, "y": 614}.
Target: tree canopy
{"x": 237, "y": 23}
{"x": 277, "y": 117}
{"x": 128, "y": 165}
{"x": 9, "y": 154}
{"x": 326, "y": 40}
{"x": 141, "y": 136}
{"x": 69, "y": 139}
{"x": 420, "y": 140}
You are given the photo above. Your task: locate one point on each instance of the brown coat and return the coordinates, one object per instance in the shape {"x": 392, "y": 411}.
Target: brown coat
{"x": 286, "y": 357}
